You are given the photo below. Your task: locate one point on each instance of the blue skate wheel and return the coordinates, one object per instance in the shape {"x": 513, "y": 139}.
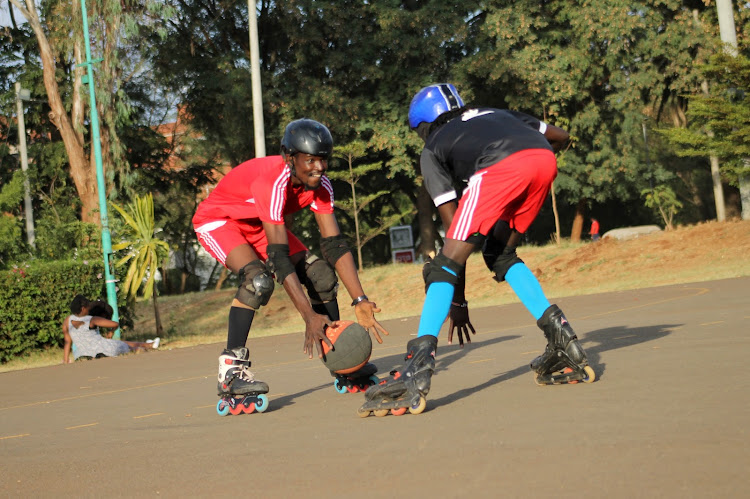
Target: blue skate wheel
{"x": 222, "y": 408}
{"x": 262, "y": 403}
{"x": 374, "y": 380}
{"x": 339, "y": 387}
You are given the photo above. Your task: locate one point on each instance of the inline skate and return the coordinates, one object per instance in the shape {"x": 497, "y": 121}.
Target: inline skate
{"x": 357, "y": 381}
{"x": 405, "y": 388}
{"x": 239, "y": 390}
{"x": 563, "y": 360}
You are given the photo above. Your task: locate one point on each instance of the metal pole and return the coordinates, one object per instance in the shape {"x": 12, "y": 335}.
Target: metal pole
{"x": 30, "y": 234}
{"x": 260, "y": 137}
{"x": 728, "y": 34}
{"x": 96, "y": 141}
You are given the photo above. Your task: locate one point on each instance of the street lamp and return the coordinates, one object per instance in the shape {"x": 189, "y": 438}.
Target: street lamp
{"x": 23, "y": 94}
{"x": 109, "y": 276}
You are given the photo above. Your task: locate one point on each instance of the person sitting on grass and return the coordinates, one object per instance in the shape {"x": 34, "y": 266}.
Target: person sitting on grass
{"x": 81, "y": 328}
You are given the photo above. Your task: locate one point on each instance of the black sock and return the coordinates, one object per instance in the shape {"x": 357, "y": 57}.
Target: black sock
{"x": 240, "y": 320}
{"x": 331, "y": 309}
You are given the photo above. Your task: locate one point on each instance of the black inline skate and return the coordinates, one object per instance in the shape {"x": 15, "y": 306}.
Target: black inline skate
{"x": 239, "y": 390}
{"x": 405, "y": 388}
{"x": 357, "y": 381}
{"x": 563, "y": 360}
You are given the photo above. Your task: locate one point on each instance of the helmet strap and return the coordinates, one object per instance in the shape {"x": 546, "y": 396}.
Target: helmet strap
{"x": 290, "y": 164}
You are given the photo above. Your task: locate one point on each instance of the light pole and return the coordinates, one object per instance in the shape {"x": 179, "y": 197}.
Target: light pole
{"x": 96, "y": 142}
{"x": 260, "y": 138}
{"x": 21, "y": 95}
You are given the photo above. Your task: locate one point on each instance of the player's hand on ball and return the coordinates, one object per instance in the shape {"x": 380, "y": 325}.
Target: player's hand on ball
{"x": 365, "y": 312}
{"x": 315, "y": 327}
{"x": 459, "y": 315}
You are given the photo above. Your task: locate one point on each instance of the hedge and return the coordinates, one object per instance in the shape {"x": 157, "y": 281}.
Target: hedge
{"x": 35, "y": 298}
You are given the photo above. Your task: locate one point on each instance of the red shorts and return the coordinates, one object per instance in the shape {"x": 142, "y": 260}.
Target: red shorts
{"x": 513, "y": 190}
{"x": 219, "y": 237}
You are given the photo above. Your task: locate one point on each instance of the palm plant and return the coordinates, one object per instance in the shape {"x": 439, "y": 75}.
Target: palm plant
{"x": 145, "y": 252}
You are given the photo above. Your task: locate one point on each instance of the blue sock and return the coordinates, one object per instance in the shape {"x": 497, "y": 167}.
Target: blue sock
{"x": 437, "y": 304}
{"x": 527, "y": 288}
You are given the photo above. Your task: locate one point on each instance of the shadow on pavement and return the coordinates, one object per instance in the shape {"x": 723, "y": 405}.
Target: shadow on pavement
{"x": 595, "y": 343}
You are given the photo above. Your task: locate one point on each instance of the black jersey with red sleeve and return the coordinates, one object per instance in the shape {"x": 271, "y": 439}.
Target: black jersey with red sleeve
{"x": 478, "y": 138}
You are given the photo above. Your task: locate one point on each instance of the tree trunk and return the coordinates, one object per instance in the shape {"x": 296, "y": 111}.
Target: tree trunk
{"x": 558, "y": 238}
{"x": 222, "y": 277}
{"x": 183, "y": 282}
{"x": 157, "y": 317}
{"x": 80, "y": 171}
{"x": 427, "y": 231}
{"x": 575, "y": 232}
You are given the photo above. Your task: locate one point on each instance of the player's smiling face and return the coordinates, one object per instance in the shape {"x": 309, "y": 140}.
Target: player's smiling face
{"x": 308, "y": 170}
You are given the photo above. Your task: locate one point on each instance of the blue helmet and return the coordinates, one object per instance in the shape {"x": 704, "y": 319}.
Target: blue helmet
{"x": 431, "y": 102}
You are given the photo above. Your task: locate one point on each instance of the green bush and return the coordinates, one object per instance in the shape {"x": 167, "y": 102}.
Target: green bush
{"x": 35, "y": 298}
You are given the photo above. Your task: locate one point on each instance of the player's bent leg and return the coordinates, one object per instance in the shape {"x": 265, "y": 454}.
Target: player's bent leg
{"x": 321, "y": 283}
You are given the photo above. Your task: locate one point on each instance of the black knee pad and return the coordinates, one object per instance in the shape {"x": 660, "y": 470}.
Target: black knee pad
{"x": 502, "y": 262}
{"x": 256, "y": 285}
{"x": 441, "y": 269}
{"x": 319, "y": 278}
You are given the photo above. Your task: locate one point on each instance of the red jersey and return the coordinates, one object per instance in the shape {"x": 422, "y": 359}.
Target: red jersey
{"x": 261, "y": 189}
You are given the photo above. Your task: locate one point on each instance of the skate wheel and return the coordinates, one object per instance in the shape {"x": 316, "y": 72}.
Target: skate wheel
{"x": 262, "y": 403}
{"x": 352, "y": 389}
{"x": 339, "y": 388}
{"x": 539, "y": 383}
{"x": 363, "y": 414}
{"x": 222, "y": 408}
{"x": 380, "y": 413}
{"x": 590, "y": 374}
{"x": 374, "y": 380}
{"x": 399, "y": 412}
{"x": 420, "y": 407}
{"x": 236, "y": 410}
{"x": 248, "y": 409}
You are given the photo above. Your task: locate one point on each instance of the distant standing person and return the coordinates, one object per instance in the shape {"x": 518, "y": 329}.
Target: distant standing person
{"x": 81, "y": 328}
{"x": 594, "y": 231}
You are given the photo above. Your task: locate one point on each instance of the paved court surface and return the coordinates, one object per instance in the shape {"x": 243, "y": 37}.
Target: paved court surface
{"x": 667, "y": 417}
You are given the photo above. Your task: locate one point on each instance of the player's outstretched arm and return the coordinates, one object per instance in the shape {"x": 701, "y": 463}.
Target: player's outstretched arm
{"x": 364, "y": 309}
{"x": 283, "y": 269}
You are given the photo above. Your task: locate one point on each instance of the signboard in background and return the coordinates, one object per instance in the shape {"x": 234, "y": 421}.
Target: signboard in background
{"x": 401, "y": 237}
{"x": 402, "y": 244}
{"x": 403, "y": 256}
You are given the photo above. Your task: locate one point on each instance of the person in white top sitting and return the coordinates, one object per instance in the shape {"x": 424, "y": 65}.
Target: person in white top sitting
{"x": 82, "y": 329}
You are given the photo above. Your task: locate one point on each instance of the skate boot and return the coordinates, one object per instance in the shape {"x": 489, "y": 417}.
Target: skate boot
{"x": 357, "y": 381}
{"x": 563, "y": 360}
{"x": 407, "y": 387}
{"x": 239, "y": 390}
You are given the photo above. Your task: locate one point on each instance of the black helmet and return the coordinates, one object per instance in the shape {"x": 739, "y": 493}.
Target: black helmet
{"x": 307, "y": 136}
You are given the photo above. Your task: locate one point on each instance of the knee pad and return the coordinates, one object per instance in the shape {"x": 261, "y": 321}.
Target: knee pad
{"x": 501, "y": 262}
{"x": 319, "y": 278}
{"x": 441, "y": 269}
{"x": 256, "y": 285}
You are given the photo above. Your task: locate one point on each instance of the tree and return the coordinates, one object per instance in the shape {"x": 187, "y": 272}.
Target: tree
{"x": 350, "y": 152}
{"x": 57, "y": 27}
{"x": 144, "y": 251}
{"x": 725, "y": 112}
{"x": 663, "y": 200}
{"x": 596, "y": 69}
